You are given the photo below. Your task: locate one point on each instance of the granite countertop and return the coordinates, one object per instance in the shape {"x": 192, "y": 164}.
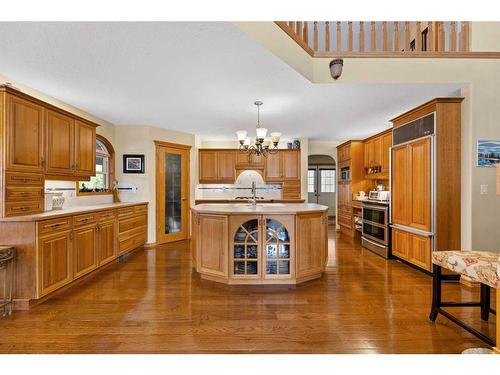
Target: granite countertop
{"x": 201, "y": 201}
{"x": 265, "y": 208}
{"x": 75, "y": 210}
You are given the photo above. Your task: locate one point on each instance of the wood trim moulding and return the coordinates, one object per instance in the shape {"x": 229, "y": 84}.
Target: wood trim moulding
{"x": 284, "y": 26}
{"x": 408, "y": 55}
{"x": 382, "y": 133}
{"x": 172, "y": 145}
{"x": 423, "y": 109}
{"x": 20, "y": 94}
{"x": 149, "y": 245}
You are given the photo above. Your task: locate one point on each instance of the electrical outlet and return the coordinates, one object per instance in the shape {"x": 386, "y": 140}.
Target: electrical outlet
{"x": 484, "y": 189}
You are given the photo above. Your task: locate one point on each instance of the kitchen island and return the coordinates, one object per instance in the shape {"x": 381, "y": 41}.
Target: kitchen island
{"x": 269, "y": 243}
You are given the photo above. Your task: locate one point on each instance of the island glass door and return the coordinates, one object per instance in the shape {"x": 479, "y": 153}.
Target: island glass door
{"x": 172, "y": 197}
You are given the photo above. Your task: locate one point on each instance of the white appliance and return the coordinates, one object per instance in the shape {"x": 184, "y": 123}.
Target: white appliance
{"x": 379, "y": 195}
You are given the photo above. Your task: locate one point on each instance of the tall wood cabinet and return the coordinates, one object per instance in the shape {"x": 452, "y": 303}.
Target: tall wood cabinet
{"x": 350, "y": 157}
{"x": 40, "y": 142}
{"x": 425, "y": 191}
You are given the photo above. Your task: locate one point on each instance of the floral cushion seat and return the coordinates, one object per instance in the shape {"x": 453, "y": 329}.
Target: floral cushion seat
{"x": 480, "y": 266}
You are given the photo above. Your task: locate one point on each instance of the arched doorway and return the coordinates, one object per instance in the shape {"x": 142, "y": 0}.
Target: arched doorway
{"x": 321, "y": 183}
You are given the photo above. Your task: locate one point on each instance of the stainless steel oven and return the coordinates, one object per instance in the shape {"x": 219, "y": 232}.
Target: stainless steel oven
{"x": 375, "y": 230}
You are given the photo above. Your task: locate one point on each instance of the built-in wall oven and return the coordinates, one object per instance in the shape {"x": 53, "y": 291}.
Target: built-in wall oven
{"x": 375, "y": 231}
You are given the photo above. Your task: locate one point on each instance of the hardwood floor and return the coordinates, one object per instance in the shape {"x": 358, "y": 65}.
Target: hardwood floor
{"x": 155, "y": 303}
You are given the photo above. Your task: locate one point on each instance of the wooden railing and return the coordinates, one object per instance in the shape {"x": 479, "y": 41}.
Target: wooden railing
{"x": 381, "y": 39}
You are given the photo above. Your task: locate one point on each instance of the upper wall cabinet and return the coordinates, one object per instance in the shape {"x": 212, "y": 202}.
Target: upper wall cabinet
{"x": 217, "y": 166}
{"x": 24, "y": 141}
{"x": 41, "y": 142}
{"x": 376, "y": 153}
{"x": 282, "y": 166}
{"x": 60, "y": 143}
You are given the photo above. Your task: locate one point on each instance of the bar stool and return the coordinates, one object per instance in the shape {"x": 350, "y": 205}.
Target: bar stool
{"x": 7, "y": 259}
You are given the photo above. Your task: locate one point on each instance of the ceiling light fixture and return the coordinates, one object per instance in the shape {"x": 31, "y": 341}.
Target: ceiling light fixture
{"x": 262, "y": 145}
{"x": 336, "y": 68}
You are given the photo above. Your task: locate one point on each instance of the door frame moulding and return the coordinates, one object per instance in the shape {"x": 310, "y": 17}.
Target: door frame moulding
{"x": 182, "y": 147}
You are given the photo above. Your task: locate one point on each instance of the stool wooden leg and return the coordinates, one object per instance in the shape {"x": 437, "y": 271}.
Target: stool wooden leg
{"x": 485, "y": 302}
{"x": 436, "y": 292}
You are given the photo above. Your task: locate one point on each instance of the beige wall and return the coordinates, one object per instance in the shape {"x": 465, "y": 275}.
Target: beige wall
{"x": 480, "y": 109}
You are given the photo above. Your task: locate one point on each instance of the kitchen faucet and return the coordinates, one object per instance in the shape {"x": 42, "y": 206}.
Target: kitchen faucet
{"x": 253, "y": 199}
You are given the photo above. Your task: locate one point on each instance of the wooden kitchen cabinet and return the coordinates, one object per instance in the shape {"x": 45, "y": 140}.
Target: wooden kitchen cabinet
{"x": 84, "y": 149}
{"x": 24, "y": 142}
{"x": 377, "y": 151}
{"x": 226, "y": 166}
{"x": 420, "y": 251}
{"x": 84, "y": 250}
{"x": 54, "y": 261}
{"x": 212, "y": 254}
{"x": 208, "y": 171}
{"x": 40, "y": 140}
{"x": 368, "y": 156}
{"x": 400, "y": 244}
{"x": 252, "y": 161}
{"x": 400, "y": 187}
{"x": 60, "y": 145}
{"x": 217, "y": 166}
{"x": 386, "y": 150}
{"x": 273, "y": 168}
{"x": 106, "y": 242}
{"x": 311, "y": 244}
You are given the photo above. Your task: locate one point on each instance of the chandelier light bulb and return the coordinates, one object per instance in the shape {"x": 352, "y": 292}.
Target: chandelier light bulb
{"x": 241, "y": 134}
{"x": 275, "y": 137}
{"x": 261, "y": 133}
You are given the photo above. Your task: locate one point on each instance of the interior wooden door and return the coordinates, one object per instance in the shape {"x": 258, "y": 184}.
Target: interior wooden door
{"x": 172, "y": 192}
{"x": 60, "y": 144}
{"x": 24, "y": 136}
{"x": 419, "y": 168}
{"x": 85, "y": 149}
{"x": 400, "y": 188}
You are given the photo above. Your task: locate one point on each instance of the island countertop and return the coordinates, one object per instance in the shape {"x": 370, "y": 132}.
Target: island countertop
{"x": 260, "y": 208}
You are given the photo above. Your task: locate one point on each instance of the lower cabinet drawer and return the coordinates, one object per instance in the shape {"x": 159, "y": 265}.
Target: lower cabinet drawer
{"x": 130, "y": 223}
{"x": 24, "y": 179}
{"x": 84, "y": 219}
{"x": 24, "y": 208}
{"x": 130, "y": 243}
{"x": 345, "y": 220}
{"x": 21, "y": 193}
{"x": 54, "y": 225}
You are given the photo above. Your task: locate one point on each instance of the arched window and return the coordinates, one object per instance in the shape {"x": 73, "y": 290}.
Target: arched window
{"x": 102, "y": 182}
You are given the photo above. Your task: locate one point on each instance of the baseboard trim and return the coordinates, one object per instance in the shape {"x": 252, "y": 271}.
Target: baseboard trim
{"x": 149, "y": 245}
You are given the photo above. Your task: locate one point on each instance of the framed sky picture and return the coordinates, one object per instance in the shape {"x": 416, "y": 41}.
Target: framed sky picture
{"x": 488, "y": 153}
{"x": 133, "y": 163}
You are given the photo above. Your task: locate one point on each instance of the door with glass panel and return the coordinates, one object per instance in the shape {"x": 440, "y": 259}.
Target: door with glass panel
{"x": 172, "y": 192}
{"x": 321, "y": 186}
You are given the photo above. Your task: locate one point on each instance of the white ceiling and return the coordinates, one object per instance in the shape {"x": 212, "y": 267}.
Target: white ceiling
{"x": 196, "y": 77}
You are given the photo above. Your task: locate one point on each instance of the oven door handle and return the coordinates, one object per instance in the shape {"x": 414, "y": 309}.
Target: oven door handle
{"x": 374, "y": 243}
{"x": 377, "y": 208}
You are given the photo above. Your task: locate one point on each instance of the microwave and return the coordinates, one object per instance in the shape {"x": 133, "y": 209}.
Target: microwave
{"x": 345, "y": 174}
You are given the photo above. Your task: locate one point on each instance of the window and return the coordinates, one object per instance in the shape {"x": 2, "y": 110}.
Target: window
{"x": 311, "y": 176}
{"x": 327, "y": 180}
{"x": 104, "y": 168}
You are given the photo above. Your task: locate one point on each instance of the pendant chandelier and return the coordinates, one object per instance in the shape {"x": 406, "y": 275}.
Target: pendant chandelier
{"x": 262, "y": 145}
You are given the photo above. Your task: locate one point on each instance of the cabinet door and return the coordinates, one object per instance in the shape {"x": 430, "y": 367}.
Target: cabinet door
{"x": 106, "y": 242}
{"x": 278, "y": 250}
{"x": 400, "y": 244}
{"x": 273, "y": 169}
{"x": 54, "y": 257}
{"x": 212, "y": 257}
{"x": 24, "y": 136}
{"x": 419, "y": 167}
{"x": 84, "y": 149}
{"x": 226, "y": 167}
{"x": 60, "y": 144}
{"x": 310, "y": 244}
{"x": 386, "y": 150}
{"x": 420, "y": 251}
{"x": 400, "y": 189}
{"x": 245, "y": 251}
{"x": 207, "y": 166}
{"x": 84, "y": 251}
{"x": 369, "y": 154}
{"x": 291, "y": 165}
{"x": 377, "y": 151}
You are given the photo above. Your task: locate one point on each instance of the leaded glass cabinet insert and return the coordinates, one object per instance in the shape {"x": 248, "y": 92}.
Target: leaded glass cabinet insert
{"x": 246, "y": 248}
{"x": 277, "y": 248}
{"x": 173, "y": 194}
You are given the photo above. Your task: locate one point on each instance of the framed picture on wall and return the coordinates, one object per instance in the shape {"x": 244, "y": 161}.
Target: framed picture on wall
{"x": 133, "y": 163}
{"x": 488, "y": 153}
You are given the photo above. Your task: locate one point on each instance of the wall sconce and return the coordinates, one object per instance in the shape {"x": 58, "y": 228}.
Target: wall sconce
{"x": 336, "y": 68}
